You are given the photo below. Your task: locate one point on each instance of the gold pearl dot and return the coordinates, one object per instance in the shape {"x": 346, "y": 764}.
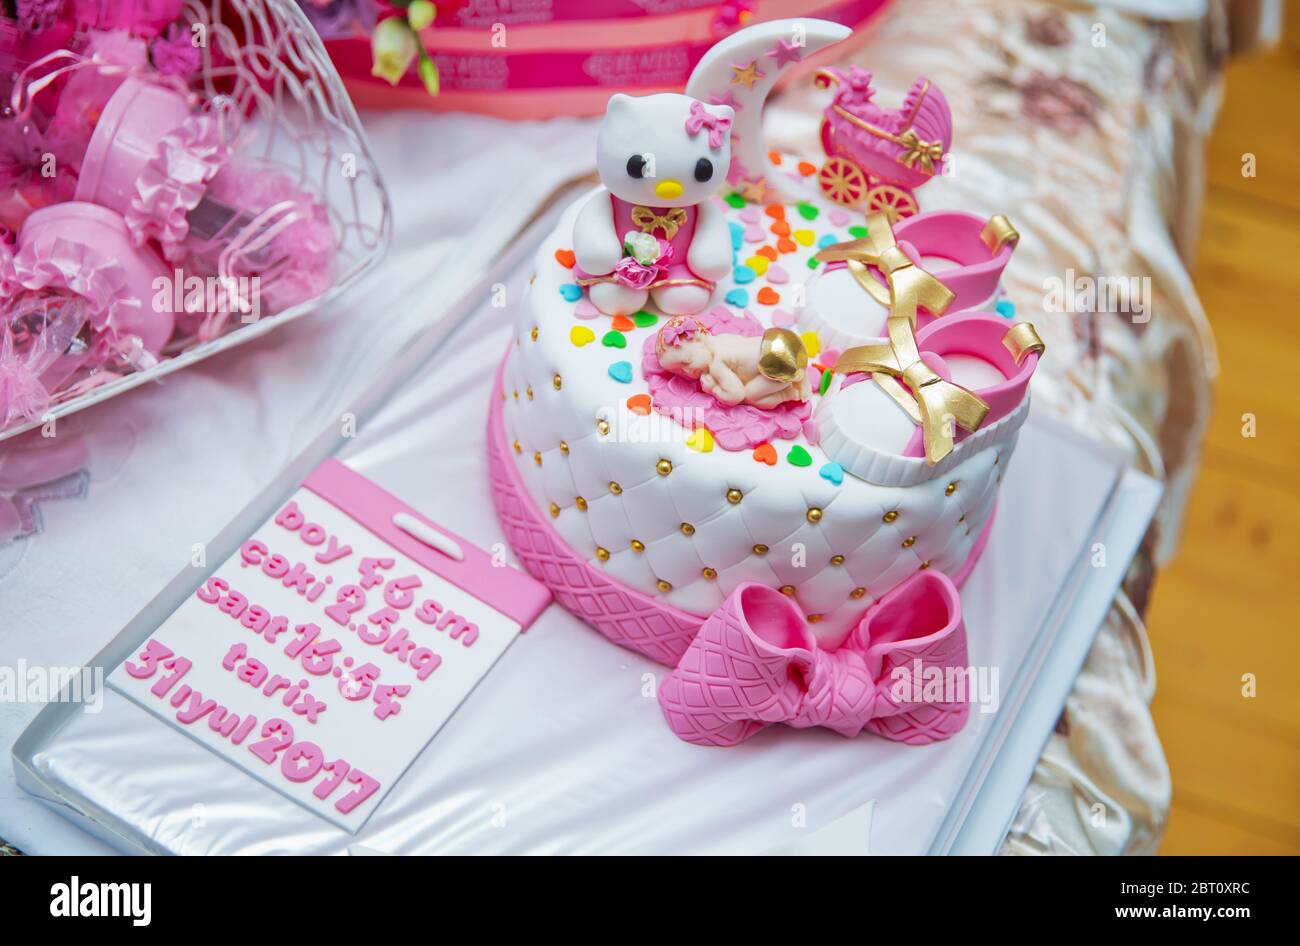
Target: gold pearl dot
{"x": 889, "y": 516}
{"x": 814, "y": 618}
{"x": 688, "y": 529}
{"x": 858, "y": 593}
{"x": 537, "y": 458}
{"x": 787, "y": 590}
{"x": 518, "y": 449}
{"x": 952, "y": 488}
{"x": 837, "y": 559}
{"x": 580, "y": 503}
{"x": 709, "y": 573}
{"x": 555, "y": 510}
{"x": 962, "y": 519}
{"x": 909, "y": 541}
{"x": 564, "y": 447}
{"x": 533, "y": 333}
{"x": 664, "y": 467}
{"x": 997, "y": 459}
{"x": 529, "y": 391}
{"x": 638, "y": 545}
{"x": 734, "y": 496}
{"x": 556, "y": 382}
{"x": 602, "y": 554}
{"x": 532, "y": 279}
{"x": 760, "y": 549}
{"x": 814, "y": 514}
{"x": 663, "y": 586}
{"x": 924, "y": 566}
{"x": 615, "y": 488}
{"x": 516, "y": 394}
{"x": 602, "y": 426}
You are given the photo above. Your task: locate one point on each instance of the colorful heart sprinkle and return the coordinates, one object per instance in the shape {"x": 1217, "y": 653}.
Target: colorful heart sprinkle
{"x": 639, "y": 404}
{"x": 735, "y": 200}
{"x": 781, "y": 228}
{"x": 825, "y": 384}
{"x": 581, "y": 335}
{"x": 804, "y": 237}
{"x": 857, "y": 232}
{"x": 798, "y": 456}
{"x": 613, "y": 339}
{"x": 777, "y": 276}
{"x": 811, "y": 343}
{"x": 806, "y": 169}
{"x": 585, "y": 310}
{"x": 837, "y": 216}
{"x": 743, "y": 275}
{"x": 829, "y": 239}
{"x": 737, "y": 234}
{"x": 782, "y": 318}
{"x": 765, "y": 453}
{"x": 621, "y": 371}
{"x": 737, "y": 297}
{"x": 700, "y": 440}
{"x": 786, "y": 245}
{"x": 775, "y": 211}
{"x": 749, "y": 215}
{"x": 758, "y": 264}
{"x": 808, "y": 211}
{"x": 830, "y": 356}
{"x": 813, "y": 262}
{"x": 571, "y": 291}
{"x": 832, "y": 473}
{"x": 1006, "y": 308}
{"x": 768, "y": 252}
{"x": 565, "y": 258}
{"x": 622, "y": 323}
{"x": 644, "y": 319}
{"x": 768, "y": 296}
{"x": 754, "y": 235}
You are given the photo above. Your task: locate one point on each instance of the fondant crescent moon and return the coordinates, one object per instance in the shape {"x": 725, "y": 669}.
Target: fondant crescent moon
{"x": 740, "y": 71}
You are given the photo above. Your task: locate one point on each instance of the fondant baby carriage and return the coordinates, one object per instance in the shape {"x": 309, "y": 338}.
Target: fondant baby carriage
{"x": 876, "y": 157}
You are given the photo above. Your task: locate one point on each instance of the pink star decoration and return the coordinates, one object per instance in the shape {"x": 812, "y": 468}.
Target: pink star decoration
{"x": 785, "y": 52}
{"x": 727, "y": 99}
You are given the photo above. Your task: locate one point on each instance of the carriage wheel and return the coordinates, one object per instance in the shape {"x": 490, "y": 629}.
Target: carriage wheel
{"x": 893, "y": 201}
{"x": 843, "y": 181}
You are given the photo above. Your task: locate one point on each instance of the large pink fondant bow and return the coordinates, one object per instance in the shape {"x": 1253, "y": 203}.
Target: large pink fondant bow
{"x": 701, "y": 117}
{"x": 901, "y": 674}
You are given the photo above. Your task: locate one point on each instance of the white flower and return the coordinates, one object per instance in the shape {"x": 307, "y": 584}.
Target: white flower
{"x": 642, "y": 247}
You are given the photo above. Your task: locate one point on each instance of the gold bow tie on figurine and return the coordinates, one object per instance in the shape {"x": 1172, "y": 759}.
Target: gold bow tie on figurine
{"x": 929, "y": 153}
{"x": 909, "y": 286}
{"x": 939, "y": 406}
{"x": 669, "y": 222}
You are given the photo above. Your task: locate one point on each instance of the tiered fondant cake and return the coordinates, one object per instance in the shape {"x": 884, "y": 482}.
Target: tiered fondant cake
{"x": 748, "y": 405}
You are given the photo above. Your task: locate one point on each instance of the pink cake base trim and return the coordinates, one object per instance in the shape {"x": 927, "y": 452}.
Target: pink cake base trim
{"x": 628, "y": 617}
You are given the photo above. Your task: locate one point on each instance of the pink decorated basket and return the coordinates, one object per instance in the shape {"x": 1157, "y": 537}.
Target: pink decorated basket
{"x": 218, "y": 141}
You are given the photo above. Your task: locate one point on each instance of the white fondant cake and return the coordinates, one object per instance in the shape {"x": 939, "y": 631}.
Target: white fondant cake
{"x": 680, "y": 517}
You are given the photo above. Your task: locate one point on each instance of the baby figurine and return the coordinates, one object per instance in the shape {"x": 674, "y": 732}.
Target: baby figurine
{"x": 651, "y": 230}
{"x": 762, "y": 371}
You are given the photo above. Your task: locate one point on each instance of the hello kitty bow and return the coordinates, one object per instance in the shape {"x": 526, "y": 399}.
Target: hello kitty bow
{"x": 701, "y": 117}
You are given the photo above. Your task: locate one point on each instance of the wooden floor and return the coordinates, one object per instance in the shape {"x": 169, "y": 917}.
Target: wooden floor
{"x": 1222, "y": 609}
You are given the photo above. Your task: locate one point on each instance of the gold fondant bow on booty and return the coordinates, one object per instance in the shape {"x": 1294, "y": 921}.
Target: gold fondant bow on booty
{"x": 937, "y": 405}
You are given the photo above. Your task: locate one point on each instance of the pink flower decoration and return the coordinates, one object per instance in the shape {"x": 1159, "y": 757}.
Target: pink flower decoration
{"x": 175, "y": 53}
{"x": 741, "y": 427}
{"x": 700, "y": 117}
{"x": 635, "y": 275}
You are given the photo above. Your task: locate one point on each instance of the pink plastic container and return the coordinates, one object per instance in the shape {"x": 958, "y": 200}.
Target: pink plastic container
{"x": 126, "y": 138}
{"x": 84, "y": 248}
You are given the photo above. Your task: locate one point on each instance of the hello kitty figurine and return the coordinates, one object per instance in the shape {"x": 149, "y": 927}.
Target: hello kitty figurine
{"x": 763, "y": 371}
{"x": 651, "y": 231}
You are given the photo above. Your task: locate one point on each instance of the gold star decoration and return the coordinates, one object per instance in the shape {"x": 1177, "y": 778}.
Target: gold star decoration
{"x": 747, "y": 75}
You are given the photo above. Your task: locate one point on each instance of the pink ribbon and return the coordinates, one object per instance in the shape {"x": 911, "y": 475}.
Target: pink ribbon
{"x": 755, "y": 662}
{"x": 700, "y": 117}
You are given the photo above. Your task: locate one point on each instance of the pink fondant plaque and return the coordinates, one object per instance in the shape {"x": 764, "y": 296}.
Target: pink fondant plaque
{"x": 324, "y": 654}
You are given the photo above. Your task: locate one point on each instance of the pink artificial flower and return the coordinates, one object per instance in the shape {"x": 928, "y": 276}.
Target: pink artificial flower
{"x": 35, "y": 16}
{"x": 635, "y": 275}
{"x": 175, "y": 54}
